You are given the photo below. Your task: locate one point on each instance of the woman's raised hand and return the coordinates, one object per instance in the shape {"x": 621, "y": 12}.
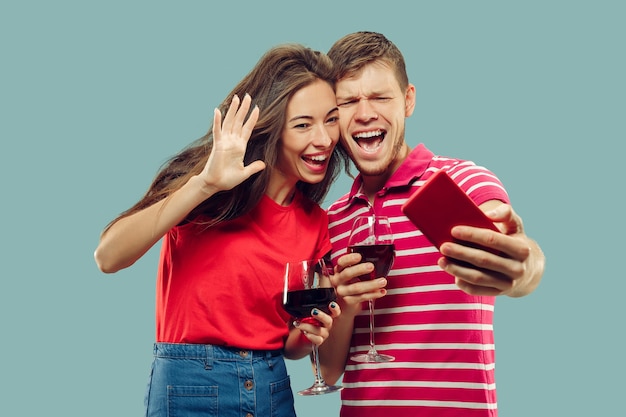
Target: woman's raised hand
{"x": 225, "y": 167}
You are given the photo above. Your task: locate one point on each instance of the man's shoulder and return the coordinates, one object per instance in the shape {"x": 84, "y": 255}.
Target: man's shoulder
{"x": 339, "y": 204}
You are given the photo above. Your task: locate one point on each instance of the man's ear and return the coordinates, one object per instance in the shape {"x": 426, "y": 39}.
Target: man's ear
{"x": 409, "y": 100}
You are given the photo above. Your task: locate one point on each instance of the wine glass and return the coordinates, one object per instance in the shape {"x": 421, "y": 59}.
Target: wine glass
{"x": 371, "y": 237}
{"x": 307, "y": 286}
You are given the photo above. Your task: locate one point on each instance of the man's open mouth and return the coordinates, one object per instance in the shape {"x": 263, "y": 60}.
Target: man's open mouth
{"x": 370, "y": 141}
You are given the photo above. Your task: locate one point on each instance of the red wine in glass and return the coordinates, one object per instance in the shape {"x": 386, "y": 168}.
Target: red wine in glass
{"x": 371, "y": 236}
{"x": 381, "y": 255}
{"x": 299, "y": 303}
{"x": 307, "y": 286}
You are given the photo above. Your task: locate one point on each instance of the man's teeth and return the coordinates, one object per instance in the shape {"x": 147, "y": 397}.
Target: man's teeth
{"x": 369, "y": 141}
{"x": 367, "y": 135}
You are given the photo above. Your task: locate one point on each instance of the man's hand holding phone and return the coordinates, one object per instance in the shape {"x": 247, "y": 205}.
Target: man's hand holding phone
{"x": 484, "y": 258}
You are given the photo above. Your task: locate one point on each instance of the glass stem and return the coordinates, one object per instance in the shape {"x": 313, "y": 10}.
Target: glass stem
{"x": 372, "y": 350}
{"x": 316, "y": 362}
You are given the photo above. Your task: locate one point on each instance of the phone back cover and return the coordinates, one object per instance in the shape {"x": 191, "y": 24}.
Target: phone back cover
{"x": 439, "y": 205}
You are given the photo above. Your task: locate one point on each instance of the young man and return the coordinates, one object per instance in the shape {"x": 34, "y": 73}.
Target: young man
{"x": 435, "y": 312}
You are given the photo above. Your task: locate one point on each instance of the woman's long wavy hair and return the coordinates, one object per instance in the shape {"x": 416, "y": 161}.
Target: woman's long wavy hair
{"x": 280, "y": 73}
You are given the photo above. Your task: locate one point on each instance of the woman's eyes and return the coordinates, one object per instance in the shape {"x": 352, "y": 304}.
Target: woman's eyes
{"x": 331, "y": 119}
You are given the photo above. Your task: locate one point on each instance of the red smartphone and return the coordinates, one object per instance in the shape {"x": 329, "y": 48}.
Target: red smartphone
{"x": 439, "y": 205}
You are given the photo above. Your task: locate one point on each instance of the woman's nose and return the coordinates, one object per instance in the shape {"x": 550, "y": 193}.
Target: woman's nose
{"x": 323, "y": 138}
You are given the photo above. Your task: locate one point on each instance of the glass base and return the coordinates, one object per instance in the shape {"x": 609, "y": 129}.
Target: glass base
{"x": 372, "y": 357}
{"x": 319, "y": 389}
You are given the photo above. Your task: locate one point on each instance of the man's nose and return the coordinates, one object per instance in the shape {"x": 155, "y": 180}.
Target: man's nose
{"x": 365, "y": 111}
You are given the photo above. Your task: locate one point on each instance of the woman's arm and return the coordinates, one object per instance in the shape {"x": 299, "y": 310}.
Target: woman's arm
{"x": 129, "y": 238}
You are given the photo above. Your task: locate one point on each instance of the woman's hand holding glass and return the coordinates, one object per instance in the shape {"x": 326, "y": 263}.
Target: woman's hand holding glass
{"x": 307, "y": 292}
{"x": 316, "y": 327}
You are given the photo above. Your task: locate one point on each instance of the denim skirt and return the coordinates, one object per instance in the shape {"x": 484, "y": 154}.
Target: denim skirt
{"x": 188, "y": 380}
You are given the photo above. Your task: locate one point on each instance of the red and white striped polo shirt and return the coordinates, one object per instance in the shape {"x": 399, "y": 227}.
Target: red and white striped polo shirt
{"x": 441, "y": 337}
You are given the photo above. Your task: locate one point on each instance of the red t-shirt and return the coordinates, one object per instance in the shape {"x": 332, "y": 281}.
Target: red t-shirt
{"x": 223, "y": 285}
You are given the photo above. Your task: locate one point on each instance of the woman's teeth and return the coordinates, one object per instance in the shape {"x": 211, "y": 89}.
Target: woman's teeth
{"x": 319, "y": 159}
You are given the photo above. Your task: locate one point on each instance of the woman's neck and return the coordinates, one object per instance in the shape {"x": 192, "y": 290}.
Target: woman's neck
{"x": 280, "y": 190}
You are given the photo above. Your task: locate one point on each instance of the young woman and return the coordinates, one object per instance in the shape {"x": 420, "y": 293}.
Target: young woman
{"x": 232, "y": 209}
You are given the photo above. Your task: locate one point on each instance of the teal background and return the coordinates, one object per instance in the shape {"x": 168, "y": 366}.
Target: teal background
{"x": 94, "y": 96}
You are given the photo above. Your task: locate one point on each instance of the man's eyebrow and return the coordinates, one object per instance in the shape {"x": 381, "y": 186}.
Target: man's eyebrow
{"x": 368, "y": 95}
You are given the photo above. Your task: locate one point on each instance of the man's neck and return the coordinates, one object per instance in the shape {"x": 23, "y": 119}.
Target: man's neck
{"x": 372, "y": 184}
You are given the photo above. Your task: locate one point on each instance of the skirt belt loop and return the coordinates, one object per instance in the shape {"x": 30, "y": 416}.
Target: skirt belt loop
{"x": 208, "y": 360}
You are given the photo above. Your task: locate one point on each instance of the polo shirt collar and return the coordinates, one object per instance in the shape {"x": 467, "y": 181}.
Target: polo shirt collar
{"x": 411, "y": 169}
